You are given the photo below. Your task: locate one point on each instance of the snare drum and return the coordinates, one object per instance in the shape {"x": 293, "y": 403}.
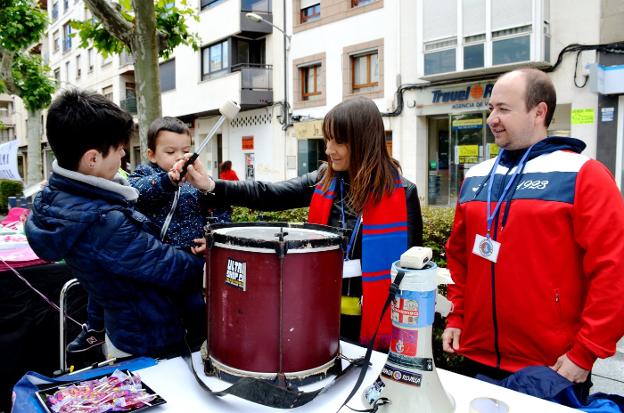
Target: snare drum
{"x": 273, "y": 300}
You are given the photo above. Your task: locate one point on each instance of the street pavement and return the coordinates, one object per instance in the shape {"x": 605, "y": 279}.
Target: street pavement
{"x": 608, "y": 374}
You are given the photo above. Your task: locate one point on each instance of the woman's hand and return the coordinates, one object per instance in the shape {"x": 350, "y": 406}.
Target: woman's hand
{"x": 196, "y": 174}
{"x": 200, "y": 246}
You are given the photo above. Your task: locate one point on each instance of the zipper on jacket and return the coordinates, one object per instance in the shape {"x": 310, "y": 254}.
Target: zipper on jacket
{"x": 493, "y": 266}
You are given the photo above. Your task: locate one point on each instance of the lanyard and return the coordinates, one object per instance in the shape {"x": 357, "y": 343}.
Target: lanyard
{"x": 519, "y": 167}
{"x": 356, "y": 227}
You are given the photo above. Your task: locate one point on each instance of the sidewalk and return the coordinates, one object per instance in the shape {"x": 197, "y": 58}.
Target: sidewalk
{"x": 608, "y": 374}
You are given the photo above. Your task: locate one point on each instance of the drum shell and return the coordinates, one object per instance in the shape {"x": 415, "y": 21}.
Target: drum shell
{"x": 244, "y": 326}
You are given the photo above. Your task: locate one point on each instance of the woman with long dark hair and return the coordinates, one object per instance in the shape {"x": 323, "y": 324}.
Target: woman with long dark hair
{"x": 361, "y": 189}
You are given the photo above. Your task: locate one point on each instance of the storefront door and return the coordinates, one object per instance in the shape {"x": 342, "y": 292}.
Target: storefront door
{"x": 463, "y": 143}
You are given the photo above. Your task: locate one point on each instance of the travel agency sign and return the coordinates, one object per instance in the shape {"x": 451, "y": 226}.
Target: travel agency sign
{"x": 455, "y": 99}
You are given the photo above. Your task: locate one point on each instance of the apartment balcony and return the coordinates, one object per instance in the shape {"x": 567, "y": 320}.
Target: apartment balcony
{"x": 126, "y": 63}
{"x": 7, "y": 120}
{"x": 253, "y": 29}
{"x": 256, "y": 84}
{"x": 227, "y": 18}
{"x": 248, "y": 84}
{"x": 129, "y": 104}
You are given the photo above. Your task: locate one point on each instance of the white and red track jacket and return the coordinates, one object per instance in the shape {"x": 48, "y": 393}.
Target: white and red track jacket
{"x": 558, "y": 284}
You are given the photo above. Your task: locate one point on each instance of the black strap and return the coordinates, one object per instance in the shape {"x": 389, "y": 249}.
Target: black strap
{"x": 264, "y": 392}
{"x": 394, "y": 289}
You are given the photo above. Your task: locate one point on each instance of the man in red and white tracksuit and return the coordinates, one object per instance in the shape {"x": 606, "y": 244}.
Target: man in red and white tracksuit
{"x": 537, "y": 246}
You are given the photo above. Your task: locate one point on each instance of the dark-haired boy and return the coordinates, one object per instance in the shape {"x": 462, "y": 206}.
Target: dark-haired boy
{"x": 85, "y": 215}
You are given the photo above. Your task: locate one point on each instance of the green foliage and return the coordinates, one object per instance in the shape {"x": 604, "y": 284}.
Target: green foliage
{"x": 437, "y": 224}
{"x": 32, "y": 82}
{"x": 9, "y": 188}
{"x": 21, "y": 24}
{"x": 241, "y": 214}
{"x": 170, "y": 22}
{"x": 93, "y": 32}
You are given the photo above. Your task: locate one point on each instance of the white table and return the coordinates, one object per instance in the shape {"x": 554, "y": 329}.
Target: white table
{"x": 173, "y": 380}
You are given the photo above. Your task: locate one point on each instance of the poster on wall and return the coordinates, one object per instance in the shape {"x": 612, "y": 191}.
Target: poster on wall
{"x": 249, "y": 167}
{"x": 8, "y": 161}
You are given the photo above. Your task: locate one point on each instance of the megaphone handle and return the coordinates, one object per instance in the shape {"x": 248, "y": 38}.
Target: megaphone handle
{"x": 187, "y": 163}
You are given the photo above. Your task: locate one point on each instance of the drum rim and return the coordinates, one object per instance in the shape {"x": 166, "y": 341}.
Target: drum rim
{"x": 336, "y": 236}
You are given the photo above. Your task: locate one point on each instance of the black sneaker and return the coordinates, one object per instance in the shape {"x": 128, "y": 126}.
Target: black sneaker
{"x": 86, "y": 340}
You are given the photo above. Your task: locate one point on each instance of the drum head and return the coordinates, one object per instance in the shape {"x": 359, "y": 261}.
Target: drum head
{"x": 268, "y": 235}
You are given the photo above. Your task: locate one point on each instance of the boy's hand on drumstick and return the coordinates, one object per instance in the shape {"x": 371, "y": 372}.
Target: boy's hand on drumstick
{"x": 196, "y": 174}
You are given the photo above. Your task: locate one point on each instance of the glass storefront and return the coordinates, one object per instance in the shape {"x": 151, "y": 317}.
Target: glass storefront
{"x": 456, "y": 143}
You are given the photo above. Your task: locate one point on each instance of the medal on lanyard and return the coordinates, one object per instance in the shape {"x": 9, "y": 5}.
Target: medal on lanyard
{"x": 486, "y": 247}
{"x": 350, "y": 268}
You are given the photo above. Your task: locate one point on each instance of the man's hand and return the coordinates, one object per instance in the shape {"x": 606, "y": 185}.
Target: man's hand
{"x": 450, "y": 339}
{"x": 566, "y": 367}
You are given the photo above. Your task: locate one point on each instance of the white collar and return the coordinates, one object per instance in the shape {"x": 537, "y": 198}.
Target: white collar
{"x": 118, "y": 184}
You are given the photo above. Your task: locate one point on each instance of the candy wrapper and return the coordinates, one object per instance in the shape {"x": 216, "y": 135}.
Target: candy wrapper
{"x": 121, "y": 391}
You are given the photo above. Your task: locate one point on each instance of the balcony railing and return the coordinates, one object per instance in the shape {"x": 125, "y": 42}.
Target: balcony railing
{"x": 255, "y": 76}
{"x": 129, "y": 104}
{"x": 125, "y": 59}
{"x": 7, "y": 120}
{"x": 262, "y": 6}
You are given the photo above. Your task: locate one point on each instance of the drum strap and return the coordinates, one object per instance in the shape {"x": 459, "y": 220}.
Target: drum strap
{"x": 394, "y": 289}
{"x": 266, "y": 393}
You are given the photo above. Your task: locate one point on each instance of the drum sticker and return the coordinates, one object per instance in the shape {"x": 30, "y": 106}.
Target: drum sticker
{"x": 401, "y": 376}
{"x": 236, "y": 274}
{"x": 404, "y": 342}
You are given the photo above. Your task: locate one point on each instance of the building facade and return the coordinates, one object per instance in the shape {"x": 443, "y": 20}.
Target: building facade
{"x": 429, "y": 66}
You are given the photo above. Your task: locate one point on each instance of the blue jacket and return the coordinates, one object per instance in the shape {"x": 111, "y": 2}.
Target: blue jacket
{"x": 141, "y": 283}
{"x": 156, "y": 192}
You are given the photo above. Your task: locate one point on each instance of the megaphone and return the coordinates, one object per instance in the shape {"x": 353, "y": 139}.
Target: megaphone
{"x": 409, "y": 381}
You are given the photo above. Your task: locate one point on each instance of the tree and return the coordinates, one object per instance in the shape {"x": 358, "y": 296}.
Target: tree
{"x": 22, "y": 24}
{"x": 147, "y": 30}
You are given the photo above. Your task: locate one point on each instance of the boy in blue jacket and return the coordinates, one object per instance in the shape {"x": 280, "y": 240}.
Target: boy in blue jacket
{"x": 86, "y": 216}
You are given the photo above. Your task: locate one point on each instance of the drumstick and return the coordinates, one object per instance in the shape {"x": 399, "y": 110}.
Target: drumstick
{"x": 228, "y": 111}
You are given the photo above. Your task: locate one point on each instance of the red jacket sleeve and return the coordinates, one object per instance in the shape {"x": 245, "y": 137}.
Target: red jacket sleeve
{"x": 599, "y": 229}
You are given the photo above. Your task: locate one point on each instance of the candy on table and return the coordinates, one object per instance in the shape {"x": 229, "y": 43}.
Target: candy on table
{"x": 117, "y": 392}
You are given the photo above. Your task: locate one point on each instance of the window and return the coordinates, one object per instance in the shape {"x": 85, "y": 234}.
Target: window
{"x": 57, "y": 75}
{"x": 107, "y": 92}
{"x": 67, "y": 44}
{"x": 310, "y": 13}
{"x": 67, "y": 71}
{"x": 474, "y": 54}
{"x": 365, "y": 70}
{"x": 78, "y": 67}
{"x": 56, "y": 41}
{"x": 440, "y": 56}
{"x": 90, "y": 59}
{"x": 55, "y": 11}
{"x": 357, "y": 3}
{"x": 511, "y": 45}
{"x": 215, "y": 58}
{"x": 310, "y": 81}
{"x": 167, "y": 76}
{"x": 209, "y": 3}
{"x": 65, "y": 6}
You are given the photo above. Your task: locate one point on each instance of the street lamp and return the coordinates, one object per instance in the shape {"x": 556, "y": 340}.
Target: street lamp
{"x": 285, "y": 120}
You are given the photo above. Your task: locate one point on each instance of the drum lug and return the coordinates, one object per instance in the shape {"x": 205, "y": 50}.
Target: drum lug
{"x": 209, "y": 238}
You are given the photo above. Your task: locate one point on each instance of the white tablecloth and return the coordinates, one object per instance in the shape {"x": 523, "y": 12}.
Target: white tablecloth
{"x": 173, "y": 380}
